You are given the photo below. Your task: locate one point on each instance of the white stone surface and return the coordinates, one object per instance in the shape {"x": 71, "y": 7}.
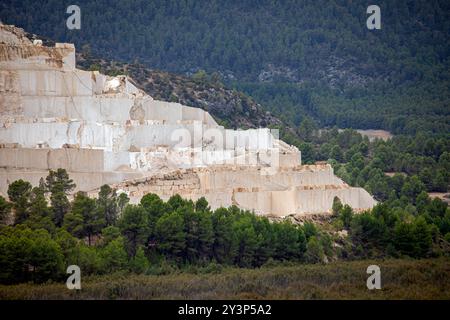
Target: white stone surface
{"x": 104, "y": 130}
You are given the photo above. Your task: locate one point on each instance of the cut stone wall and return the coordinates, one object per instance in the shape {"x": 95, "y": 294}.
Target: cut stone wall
{"x": 121, "y": 137}
{"x": 83, "y": 160}
{"x": 248, "y": 189}
{"x": 104, "y": 130}
{"x": 298, "y": 201}
{"x": 85, "y": 181}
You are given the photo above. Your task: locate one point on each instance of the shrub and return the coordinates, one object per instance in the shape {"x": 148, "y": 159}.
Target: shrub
{"x": 314, "y": 251}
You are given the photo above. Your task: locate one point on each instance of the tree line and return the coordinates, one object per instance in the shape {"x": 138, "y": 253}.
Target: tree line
{"x": 399, "y": 168}
{"x": 107, "y": 234}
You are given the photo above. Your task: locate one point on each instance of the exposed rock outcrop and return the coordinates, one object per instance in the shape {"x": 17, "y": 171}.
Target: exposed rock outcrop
{"x": 104, "y": 130}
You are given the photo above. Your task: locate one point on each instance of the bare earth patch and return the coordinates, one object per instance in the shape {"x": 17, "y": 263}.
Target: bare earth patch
{"x": 444, "y": 196}
{"x": 376, "y": 134}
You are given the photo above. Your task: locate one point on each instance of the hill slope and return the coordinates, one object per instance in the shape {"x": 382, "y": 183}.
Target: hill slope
{"x": 229, "y": 107}
{"x": 298, "y": 58}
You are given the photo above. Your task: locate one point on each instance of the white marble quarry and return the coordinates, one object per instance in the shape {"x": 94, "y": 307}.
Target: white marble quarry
{"x": 104, "y": 130}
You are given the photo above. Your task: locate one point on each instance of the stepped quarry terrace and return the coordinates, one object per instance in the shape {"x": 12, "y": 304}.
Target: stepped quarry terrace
{"x": 104, "y": 130}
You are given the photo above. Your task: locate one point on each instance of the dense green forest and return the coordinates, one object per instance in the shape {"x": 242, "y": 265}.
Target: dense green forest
{"x": 419, "y": 159}
{"x": 296, "y": 58}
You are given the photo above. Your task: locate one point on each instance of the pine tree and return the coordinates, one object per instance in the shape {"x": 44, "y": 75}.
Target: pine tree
{"x": 107, "y": 204}
{"x": 346, "y": 215}
{"x": 225, "y": 241}
{"x": 39, "y": 211}
{"x": 122, "y": 202}
{"x": 175, "y": 202}
{"x": 404, "y": 238}
{"x": 314, "y": 251}
{"x": 247, "y": 242}
{"x": 68, "y": 245}
{"x": 205, "y": 235}
{"x": 412, "y": 188}
{"x": 28, "y": 255}
{"x": 60, "y": 206}
{"x": 59, "y": 181}
{"x": 38, "y": 203}
{"x": 46, "y": 257}
{"x": 155, "y": 208}
{"x": 336, "y": 153}
{"x": 133, "y": 224}
{"x": 139, "y": 263}
{"x": 202, "y": 205}
{"x": 287, "y": 241}
{"x": 114, "y": 255}
{"x": 422, "y": 201}
{"x": 337, "y": 206}
{"x": 423, "y": 237}
{"x": 170, "y": 235}
{"x": 266, "y": 238}
{"x": 93, "y": 221}
{"x": 19, "y": 193}
{"x": 110, "y": 233}
{"x": 5, "y": 209}
{"x": 59, "y": 185}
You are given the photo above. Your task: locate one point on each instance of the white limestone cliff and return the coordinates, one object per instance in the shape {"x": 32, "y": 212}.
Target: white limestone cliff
{"x": 104, "y": 130}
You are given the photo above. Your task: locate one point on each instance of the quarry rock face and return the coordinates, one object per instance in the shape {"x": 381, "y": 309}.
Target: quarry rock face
{"x": 103, "y": 130}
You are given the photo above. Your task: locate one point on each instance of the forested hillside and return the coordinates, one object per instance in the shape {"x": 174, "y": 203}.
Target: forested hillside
{"x": 296, "y": 58}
